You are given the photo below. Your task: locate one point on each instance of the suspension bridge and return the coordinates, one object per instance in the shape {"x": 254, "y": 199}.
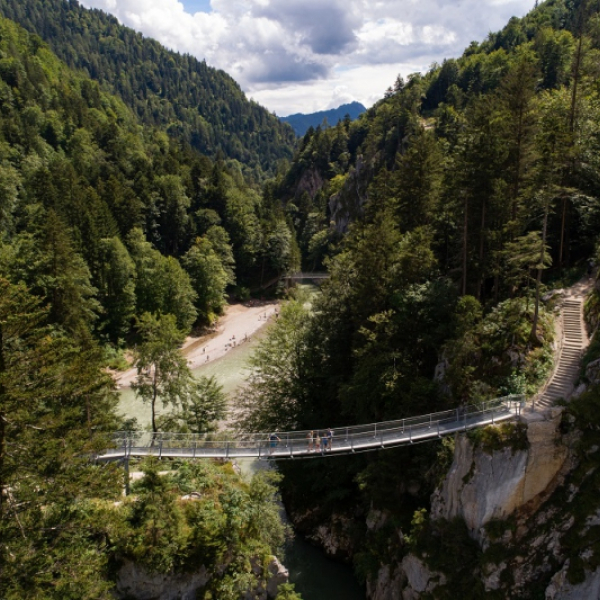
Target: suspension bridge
{"x": 316, "y": 443}
{"x": 375, "y": 436}
{"x": 301, "y": 276}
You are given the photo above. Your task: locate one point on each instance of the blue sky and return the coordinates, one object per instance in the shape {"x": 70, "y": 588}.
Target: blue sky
{"x": 308, "y": 55}
{"x": 194, "y": 6}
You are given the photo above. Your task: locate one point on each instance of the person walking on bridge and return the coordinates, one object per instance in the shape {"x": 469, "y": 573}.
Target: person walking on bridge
{"x": 310, "y": 436}
{"x": 274, "y": 440}
{"x": 329, "y": 435}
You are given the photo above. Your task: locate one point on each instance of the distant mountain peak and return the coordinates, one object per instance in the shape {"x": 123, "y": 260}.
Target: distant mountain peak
{"x": 301, "y": 122}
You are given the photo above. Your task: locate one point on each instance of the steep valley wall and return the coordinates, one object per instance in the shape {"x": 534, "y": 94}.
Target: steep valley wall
{"x": 533, "y": 512}
{"x": 519, "y": 505}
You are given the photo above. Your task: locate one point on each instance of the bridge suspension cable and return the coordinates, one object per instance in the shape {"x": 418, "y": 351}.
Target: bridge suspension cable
{"x": 298, "y": 444}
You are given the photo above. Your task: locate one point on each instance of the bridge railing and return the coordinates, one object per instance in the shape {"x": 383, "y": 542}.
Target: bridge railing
{"x": 297, "y": 441}
{"x": 307, "y": 275}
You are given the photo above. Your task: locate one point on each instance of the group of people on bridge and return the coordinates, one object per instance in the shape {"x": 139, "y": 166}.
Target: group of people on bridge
{"x": 315, "y": 441}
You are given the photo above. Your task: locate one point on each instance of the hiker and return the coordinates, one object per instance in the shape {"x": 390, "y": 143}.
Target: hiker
{"x": 590, "y": 268}
{"x": 330, "y": 438}
{"x": 310, "y": 436}
{"x": 324, "y": 441}
{"x": 274, "y": 440}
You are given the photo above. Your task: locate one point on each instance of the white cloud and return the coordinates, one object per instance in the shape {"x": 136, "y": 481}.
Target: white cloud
{"x": 304, "y": 55}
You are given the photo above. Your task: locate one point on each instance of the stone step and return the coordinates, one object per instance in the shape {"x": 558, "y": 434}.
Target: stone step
{"x": 559, "y": 385}
{"x": 558, "y": 389}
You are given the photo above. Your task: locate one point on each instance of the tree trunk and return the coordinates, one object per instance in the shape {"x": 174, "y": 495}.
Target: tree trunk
{"x": 481, "y": 251}
{"x": 562, "y": 232}
{"x": 533, "y": 336}
{"x": 153, "y": 403}
{"x": 464, "y": 252}
{"x": 2, "y": 427}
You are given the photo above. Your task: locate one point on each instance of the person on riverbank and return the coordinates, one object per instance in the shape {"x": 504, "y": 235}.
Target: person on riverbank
{"x": 310, "y": 437}
{"x": 274, "y": 439}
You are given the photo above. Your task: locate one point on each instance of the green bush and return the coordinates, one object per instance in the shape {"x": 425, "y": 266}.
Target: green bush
{"x": 494, "y": 438}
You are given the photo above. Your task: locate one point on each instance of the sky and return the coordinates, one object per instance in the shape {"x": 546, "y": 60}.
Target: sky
{"x": 309, "y": 55}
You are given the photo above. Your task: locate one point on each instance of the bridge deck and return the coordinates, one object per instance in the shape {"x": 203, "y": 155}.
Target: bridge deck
{"x": 300, "y": 276}
{"x": 294, "y": 444}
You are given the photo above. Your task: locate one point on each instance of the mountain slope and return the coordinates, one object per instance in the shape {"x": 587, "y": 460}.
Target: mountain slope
{"x": 301, "y": 122}
{"x": 193, "y": 101}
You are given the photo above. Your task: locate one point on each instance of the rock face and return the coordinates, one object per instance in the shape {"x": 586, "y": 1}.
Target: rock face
{"x": 310, "y": 183}
{"x": 278, "y": 575}
{"x": 347, "y": 205}
{"x": 484, "y": 486}
{"x": 407, "y": 581}
{"x": 334, "y": 537}
{"x": 561, "y": 589}
{"x": 135, "y": 582}
{"x": 481, "y": 487}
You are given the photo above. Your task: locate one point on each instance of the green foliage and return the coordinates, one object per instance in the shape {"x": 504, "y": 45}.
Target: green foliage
{"x": 272, "y": 398}
{"x": 162, "y": 284}
{"x": 86, "y": 188}
{"x": 209, "y": 278}
{"x": 225, "y": 524}
{"x": 185, "y": 97}
{"x": 286, "y": 592}
{"x": 163, "y": 376}
{"x": 53, "y": 395}
{"x": 162, "y": 372}
{"x": 446, "y": 546}
{"x": 202, "y": 405}
{"x": 116, "y": 288}
{"x": 498, "y": 437}
{"x": 494, "y": 355}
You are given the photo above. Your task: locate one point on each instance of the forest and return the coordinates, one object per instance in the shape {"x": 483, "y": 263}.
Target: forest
{"x": 106, "y": 224}
{"x": 189, "y": 100}
{"x": 442, "y": 216}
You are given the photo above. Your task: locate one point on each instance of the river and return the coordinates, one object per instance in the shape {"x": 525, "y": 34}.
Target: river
{"x": 315, "y": 576}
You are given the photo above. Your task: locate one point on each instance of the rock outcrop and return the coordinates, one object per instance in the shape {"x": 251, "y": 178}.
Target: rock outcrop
{"x": 482, "y": 486}
{"x": 508, "y": 485}
{"x": 347, "y": 205}
{"x": 407, "y": 581}
{"x": 135, "y": 583}
{"x": 561, "y": 589}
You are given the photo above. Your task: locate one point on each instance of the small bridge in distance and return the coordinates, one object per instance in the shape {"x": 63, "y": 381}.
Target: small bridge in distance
{"x": 301, "y": 276}
{"x": 295, "y": 444}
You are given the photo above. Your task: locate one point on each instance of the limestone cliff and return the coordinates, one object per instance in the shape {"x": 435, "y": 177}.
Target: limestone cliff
{"x": 347, "y": 205}
{"x": 527, "y": 509}
{"x": 482, "y": 486}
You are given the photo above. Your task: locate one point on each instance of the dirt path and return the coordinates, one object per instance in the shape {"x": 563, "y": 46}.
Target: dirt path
{"x": 239, "y": 323}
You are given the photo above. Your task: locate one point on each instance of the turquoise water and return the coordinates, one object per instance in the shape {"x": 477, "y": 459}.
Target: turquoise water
{"x": 315, "y": 576}
{"x": 230, "y": 371}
